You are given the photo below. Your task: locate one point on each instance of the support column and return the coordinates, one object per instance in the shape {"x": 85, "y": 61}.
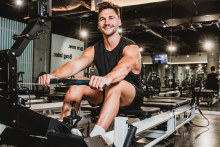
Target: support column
{"x": 176, "y": 69}
{"x": 41, "y": 60}
{"x": 213, "y": 56}
{"x": 161, "y": 73}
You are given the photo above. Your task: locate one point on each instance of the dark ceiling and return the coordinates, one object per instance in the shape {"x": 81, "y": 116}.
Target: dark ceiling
{"x": 188, "y": 22}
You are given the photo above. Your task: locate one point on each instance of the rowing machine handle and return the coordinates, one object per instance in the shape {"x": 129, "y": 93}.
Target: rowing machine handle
{"x": 71, "y": 82}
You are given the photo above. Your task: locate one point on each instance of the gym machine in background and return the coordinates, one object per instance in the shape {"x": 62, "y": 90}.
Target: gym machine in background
{"x": 8, "y": 62}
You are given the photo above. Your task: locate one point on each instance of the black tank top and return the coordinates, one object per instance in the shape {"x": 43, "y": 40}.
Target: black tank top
{"x": 106, "y": 60}
{"x": 212, "y": 81}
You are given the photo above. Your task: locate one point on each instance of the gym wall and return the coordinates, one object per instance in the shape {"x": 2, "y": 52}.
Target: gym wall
{"x": 25, "y": 62}
{"x": 64, "y": 49}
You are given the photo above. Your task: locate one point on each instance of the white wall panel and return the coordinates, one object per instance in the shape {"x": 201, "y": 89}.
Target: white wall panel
{"x": 64, "y": 49}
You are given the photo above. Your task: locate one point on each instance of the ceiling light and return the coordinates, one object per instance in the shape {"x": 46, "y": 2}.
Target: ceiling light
{"x": 26, "y": 17}
{"x": 187, "y": 67}
{"x": 19, "y": 2}
{"x": 171, "y": 48}
{"x": 208, "y": 45}
{"x": 141, "y": 49}
{"x": 187, "y": 56}
{"x": 84, "y": 33}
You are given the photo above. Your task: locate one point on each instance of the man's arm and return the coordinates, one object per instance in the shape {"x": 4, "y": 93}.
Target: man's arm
{"x": 131, "y": 61}
{"x": 76, "y": 65}
{"x": 70, "y": 68}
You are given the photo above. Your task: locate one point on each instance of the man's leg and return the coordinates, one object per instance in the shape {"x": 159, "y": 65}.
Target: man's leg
{"x": 75, "y": 93}
{"x": 117, "y": 95}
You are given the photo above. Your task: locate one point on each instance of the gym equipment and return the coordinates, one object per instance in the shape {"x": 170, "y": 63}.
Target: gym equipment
{"x": 15, "y": 117}
{"x": 153, "y": 84}
{"x": 149, "y": 119}
{"x": 208, "y": 96}
{"x": 170, "y": 112}
{"x": 169, "y": 92}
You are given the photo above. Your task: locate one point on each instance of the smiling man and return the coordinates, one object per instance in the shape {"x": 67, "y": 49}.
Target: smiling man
{"x": 118, "y": 61}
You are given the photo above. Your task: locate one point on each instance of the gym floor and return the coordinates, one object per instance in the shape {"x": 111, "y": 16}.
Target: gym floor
{"x": 192, "y": 136}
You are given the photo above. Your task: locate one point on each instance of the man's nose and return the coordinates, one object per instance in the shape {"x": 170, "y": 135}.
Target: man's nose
{"x": 107, "y": 21}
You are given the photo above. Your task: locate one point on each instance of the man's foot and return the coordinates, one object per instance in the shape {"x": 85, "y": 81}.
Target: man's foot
{"x": 97, "y": 130}
{"x": 76, "y": 132}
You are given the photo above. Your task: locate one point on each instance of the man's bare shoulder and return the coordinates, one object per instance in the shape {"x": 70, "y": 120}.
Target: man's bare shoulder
{"x": 131, "y": 50}
{"x": 132, "y": 53}
{"x": 89, "y": 50}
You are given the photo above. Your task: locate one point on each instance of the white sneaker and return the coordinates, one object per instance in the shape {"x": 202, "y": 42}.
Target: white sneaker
{"x": 76, "y": 132}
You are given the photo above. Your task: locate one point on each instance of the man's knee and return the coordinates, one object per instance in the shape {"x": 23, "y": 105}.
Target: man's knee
{"x": 123, "y": 90}
{"x": 78, "y": 88}
{"x": 117, "y": 88}
{"x": 74, "y": 91}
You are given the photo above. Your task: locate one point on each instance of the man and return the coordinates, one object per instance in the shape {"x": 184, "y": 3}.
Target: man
{"x": 118, "y": 61}
{"x": 212, "y": 81}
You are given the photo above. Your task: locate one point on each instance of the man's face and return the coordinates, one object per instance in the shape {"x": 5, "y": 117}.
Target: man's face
{"x": 108, "y": 22}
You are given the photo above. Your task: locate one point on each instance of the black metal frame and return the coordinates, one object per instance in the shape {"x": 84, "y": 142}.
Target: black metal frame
{"x": 19, "y": 118}
{"x": 8, "y": 61}
{"x": 14, "y": 114}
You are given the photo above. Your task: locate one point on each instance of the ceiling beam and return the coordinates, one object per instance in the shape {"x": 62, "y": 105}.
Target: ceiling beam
{"x": 123, "y": 3}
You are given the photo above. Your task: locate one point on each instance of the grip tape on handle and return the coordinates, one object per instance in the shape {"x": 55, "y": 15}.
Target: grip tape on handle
{"x": 71, "y": 82}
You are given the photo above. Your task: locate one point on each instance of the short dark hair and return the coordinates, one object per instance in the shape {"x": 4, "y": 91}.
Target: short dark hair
{"x": 213, "y": 68}
{"x": 107, "y": 5}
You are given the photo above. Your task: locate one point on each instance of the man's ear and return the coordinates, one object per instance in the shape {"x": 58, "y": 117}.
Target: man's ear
{"x": 120, "y": 22}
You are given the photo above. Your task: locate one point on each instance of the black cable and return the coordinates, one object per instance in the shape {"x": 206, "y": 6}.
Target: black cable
{"x": 197, "y": 136}
{"x": 197, "y": 102}
{"x": 203, "y": 117}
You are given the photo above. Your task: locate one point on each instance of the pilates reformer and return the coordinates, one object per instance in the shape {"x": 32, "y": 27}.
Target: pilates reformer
{"x": 169, "y": 92}
{"x": 153, "y": 87}
{"x": 150, "y": 117}
{"x": 208, "y": 96}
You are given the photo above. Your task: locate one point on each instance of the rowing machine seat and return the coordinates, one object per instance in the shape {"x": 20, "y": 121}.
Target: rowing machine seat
{"x": 143, "y": 112}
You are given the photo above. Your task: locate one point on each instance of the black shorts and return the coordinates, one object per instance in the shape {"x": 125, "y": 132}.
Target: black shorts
{"x": 137, "y": 101}
{"x": 135, "y": 104}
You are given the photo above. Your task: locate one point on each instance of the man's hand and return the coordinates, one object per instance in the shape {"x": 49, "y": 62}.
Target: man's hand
{"x": 44, "y": 80}
{"x": 97, "y": 82}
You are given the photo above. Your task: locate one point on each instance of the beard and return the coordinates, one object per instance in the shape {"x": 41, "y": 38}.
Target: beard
{"x": 113, "y": 30}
